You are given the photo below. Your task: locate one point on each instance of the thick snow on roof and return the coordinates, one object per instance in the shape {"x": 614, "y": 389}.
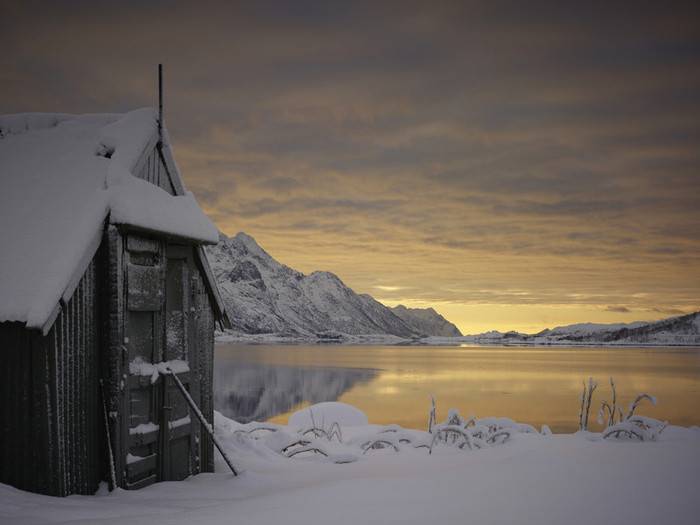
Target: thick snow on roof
{"x": 57, "y": 188}
{"x": 140, "y": 203}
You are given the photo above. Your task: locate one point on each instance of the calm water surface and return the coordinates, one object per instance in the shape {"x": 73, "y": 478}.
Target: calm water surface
{"x": 393, "y": 384}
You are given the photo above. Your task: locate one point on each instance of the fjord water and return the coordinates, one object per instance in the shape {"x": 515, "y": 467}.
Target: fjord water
{"x": 393, "y": 384}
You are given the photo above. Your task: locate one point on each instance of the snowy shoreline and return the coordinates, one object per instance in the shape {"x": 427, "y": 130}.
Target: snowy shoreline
{"x": 528, "y": 478}
{"x": 683, "y": 331}
{"x": 390, "y": 340}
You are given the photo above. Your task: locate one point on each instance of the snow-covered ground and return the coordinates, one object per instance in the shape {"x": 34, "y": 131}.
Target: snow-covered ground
{"x": 532, "y": 478}
{"x": 232, "y": 336}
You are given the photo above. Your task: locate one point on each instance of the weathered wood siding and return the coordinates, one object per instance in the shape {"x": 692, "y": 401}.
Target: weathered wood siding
{"x": 204, "y": 341}
{"x": 25, "y": 441}
{"x": 51, "y": 437}
{"x": 79, "y": 429}
{"x": 152, "y": 169}
{"x": 113, "y": 341}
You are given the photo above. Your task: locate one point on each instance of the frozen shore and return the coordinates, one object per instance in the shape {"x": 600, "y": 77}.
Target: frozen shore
{"x": 382, "y": 339}
{"x": 531, "y": 478}
{"x": 674, "y": 331}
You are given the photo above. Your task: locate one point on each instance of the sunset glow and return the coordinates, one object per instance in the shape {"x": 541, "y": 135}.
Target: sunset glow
{"x": 515, "y": 167}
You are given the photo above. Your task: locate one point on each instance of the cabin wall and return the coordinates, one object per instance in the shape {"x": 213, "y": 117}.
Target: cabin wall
{"x": 51, "y": 437}
{"x": 79, "y": 434}
{"x": 25, "y": 442}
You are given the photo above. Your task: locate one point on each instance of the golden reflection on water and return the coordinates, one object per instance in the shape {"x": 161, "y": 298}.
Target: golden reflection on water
{"x": 532, "y": 385}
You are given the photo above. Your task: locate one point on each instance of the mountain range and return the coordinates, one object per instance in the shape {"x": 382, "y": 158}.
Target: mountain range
{"x": 263, "y": 296}
{"x": 681, "y": 330}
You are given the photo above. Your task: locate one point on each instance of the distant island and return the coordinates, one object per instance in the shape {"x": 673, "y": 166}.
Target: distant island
{"x": 675, "y": 331}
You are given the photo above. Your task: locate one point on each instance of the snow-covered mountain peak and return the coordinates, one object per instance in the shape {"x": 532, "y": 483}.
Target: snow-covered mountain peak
{"x": 246, "y": 244}
{"x": 326, "y": 279}
{"x": 427, "y": 320}
{"x": 265, "y": 296}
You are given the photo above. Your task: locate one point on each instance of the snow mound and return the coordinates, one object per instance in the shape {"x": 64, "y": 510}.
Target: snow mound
{"x": 328, "y": 413}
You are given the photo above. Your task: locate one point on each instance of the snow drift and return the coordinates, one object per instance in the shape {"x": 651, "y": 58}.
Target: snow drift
{"x": 530, "y": 479}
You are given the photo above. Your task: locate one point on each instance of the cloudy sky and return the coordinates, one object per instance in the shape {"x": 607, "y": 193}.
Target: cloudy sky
{"x": 514, "y": 164}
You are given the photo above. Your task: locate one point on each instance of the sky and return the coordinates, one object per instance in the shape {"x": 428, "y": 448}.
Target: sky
{"x": 516, "y": 165}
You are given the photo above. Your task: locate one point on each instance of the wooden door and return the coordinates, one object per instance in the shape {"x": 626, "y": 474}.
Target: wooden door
{"x": 142, "y": 341}
{"x": 179, "y": 455}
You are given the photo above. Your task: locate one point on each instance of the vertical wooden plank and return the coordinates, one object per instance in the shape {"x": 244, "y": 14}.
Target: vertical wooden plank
{"x": 39, "y": 438}
{"x": 52, "y": 386}
{"x": 64, "y": 400}
{"x": 75, "y": 351}
{"x": 59, "y": 327}
{"x": 70, "y": 436}
{"x": 85, "y": 383}
{"x": 91, "y": 376}
{"x": 114, "y": 332}
{"x": 83, "y": 464}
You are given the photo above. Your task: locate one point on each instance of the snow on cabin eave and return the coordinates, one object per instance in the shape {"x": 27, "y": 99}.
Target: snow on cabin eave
{"x": 127, "y": 227}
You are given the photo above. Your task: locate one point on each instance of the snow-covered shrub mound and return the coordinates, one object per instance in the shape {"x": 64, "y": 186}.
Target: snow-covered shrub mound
{"x": 472, "y": 433}
{"x": 340, "y": 433}
{"x": 500, "y": 423}
{"x": 636, "y": 427}
{"x": 327, "y": 414}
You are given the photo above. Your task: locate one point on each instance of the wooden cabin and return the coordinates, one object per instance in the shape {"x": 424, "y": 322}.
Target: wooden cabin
{"x": 103, "y": 285}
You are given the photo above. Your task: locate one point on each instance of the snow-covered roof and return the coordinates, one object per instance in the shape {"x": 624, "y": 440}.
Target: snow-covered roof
{"x": 61, "y": 176}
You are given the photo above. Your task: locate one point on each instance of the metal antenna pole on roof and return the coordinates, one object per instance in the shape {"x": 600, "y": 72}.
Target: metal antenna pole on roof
{"x": 160, "y": 104}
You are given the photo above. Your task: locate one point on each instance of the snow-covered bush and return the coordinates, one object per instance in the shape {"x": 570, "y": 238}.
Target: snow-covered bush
{"x": 473, "y": 433}
{"x": 617, "y": 425}
{"x": 636, "y": 427}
